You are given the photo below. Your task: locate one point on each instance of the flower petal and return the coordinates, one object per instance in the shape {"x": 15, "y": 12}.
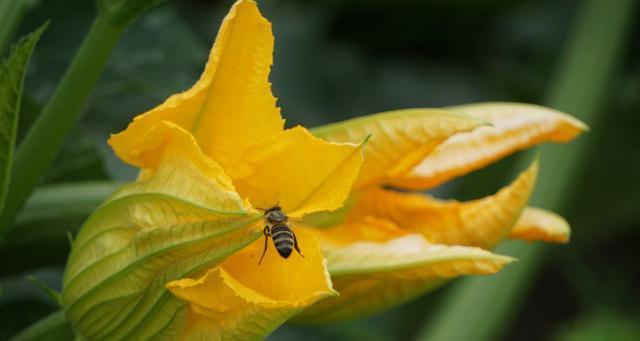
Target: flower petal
{"x": 231, "y": 105}
{"x": 373, "y": 276}
{"x": 515, "y": 127}
{"x": 242, "y": 300}
{"x": 173, "y": 222}
{"x": 177, "y": 167}
{"x": 538, "y": 224}
{"x": 481, "y": 223}
{"x": 399, "y": 139}
{"x": 301, "y": 172}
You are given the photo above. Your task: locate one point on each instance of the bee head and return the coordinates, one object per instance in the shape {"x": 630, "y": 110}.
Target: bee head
{"x": 275, "y": 215}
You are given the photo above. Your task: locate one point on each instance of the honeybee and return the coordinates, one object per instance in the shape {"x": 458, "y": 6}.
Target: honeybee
{"x": 277, "y": 228}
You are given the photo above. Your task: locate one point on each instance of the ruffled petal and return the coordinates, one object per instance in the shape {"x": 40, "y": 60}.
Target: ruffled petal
{"x": 176, "y": 166}
{"x": 371, "y": 276}
{"x": 399, "y": 139}
{"x": 515, "y": 127}
{"x": 241, "y": 300}
{"x": 483, "y": 222}
{"x": 302, "y": 172}
{"x": 539, "y": 224}
{"x": 231, "y": 105}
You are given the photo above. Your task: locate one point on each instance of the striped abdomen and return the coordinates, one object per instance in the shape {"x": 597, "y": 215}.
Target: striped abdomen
{"x": 283, "y": 239}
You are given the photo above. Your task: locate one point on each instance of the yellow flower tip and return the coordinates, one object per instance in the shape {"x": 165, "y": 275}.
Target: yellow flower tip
{"x": 241, "y": 292}
{"x": 564, "y": 127}
{"x": 515, "y": 127}
{"x": 117, "y": 143}
{"x": 483, "y": 222}
{"x": 536, "y": 224}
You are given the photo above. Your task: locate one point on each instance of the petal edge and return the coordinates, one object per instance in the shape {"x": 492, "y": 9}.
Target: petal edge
{"x": 515, "y": 127}
{"x": 539, "y": 224}
{"x": 482, "y": 222}
{"x": 371, "y": 277}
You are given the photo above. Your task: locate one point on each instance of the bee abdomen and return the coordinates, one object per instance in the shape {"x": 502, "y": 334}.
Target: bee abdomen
{"x": 282, "y": 239}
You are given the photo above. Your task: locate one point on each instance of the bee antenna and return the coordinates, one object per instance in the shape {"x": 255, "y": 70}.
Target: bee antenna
{"x": 260, "y": 209}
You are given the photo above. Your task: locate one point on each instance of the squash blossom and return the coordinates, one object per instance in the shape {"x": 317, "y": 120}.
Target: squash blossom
{"x": 391, "y": 242}
{"x": 174, "y": 255}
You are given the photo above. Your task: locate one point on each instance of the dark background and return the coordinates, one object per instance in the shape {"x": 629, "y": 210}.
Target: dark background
{"x": 340, "y": 59}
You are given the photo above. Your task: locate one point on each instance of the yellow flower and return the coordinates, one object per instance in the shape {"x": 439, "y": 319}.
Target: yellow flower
{"x": 189, "y": 225}
{"x": 175, "y": 253}
{"x": 407, "y": 243}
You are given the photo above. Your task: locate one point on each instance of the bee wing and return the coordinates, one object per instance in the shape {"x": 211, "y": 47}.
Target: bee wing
{"x": 317, "y": 219}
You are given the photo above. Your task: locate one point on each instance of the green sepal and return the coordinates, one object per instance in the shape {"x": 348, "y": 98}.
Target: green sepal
{"x": 51, "y": 293}
{"x": 136, "y": 242}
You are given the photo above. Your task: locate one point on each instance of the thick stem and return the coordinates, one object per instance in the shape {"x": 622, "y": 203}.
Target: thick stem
{"x": 41, "y": 144}
{"x": 52, "y": 327}
{"x": 484, "y": 306}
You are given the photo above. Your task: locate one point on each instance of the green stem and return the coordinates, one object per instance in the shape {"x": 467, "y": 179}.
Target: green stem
{"x": 50, "y": 214}
{"x": 39, "y": 147}
{"x": 52, "y": 327}
{"x": 480, "y": 308}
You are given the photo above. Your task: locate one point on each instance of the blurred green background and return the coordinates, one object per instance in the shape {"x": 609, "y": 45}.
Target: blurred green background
{"x": 339, "y": 59}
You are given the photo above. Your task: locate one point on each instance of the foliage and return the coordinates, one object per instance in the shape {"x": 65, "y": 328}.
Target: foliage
{"x": 12, "y": 72}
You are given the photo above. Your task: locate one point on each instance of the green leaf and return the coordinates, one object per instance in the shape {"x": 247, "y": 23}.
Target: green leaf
{"x": 12, "y": 73}
{"x": 46, "y": 136}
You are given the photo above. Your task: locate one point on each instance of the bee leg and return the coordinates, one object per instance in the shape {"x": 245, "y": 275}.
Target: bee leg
{"x": 295, "y": 244}
{"x": 267, "y": 234}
